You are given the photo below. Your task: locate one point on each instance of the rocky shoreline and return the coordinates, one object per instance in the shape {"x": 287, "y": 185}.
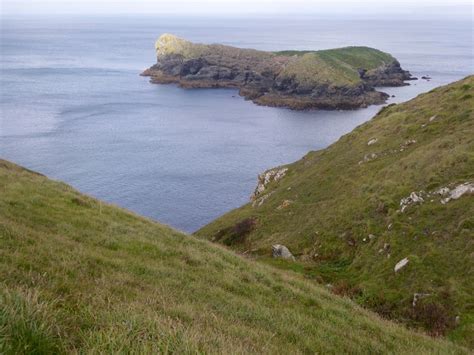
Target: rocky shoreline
{"x": 342, "y": 78}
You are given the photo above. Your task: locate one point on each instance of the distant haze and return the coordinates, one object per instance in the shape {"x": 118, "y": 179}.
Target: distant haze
{"x": 419, "y": 8}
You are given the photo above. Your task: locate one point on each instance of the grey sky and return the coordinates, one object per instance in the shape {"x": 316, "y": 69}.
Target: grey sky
{"x": 235, "y": 7}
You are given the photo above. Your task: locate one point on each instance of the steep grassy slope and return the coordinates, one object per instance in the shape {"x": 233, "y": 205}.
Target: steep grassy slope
{"x": 338, "y": 210}
{"x": 80, "y": 275}
{"x": 333, "y": 66}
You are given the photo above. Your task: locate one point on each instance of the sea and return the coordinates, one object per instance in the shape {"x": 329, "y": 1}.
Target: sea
{"x": 74, "y": 107}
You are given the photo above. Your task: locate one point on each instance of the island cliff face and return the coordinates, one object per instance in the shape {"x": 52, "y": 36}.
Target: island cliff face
{"x": 341, "y": 78}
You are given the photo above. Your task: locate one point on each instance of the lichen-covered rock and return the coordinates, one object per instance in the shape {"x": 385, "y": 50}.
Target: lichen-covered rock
{"x": 265, "y": 178}
{"x": 298, "y": 80}
{"x": 446, "y": 192}
{"x": 414, "y": 198}
{"x": 280, "y": 251}
{"x": 457, "y": 192}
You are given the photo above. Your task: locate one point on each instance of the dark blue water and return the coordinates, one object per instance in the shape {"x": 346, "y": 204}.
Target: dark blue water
{"x": 73, "y": 106}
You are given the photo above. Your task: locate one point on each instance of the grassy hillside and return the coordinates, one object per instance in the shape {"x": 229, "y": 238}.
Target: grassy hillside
{"x": 334, "y": 66}
{"x": 338, "y": 210}
{"x": 77, "y": 275}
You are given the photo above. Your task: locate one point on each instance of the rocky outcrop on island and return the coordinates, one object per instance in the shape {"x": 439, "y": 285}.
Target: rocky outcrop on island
{"x": 343, "y": 78}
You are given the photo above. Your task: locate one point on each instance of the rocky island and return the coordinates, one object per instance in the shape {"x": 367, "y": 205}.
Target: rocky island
{"x": 343, "y": 78}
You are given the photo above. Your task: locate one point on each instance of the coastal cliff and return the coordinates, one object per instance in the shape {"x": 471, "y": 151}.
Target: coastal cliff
{"x": 343, "y": 78}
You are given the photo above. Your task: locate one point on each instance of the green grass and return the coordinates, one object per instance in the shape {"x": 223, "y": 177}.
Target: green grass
{"x": 81, "y": 276}
{"x": 338, "y": 202}
{"x": 290, "y": 53}
{"x": 313, "y": 68}
{"x": 333, "y": 66}
{"x": 358, "y": 57}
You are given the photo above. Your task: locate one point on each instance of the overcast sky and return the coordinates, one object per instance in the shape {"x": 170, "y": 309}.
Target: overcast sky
{"x": 235, "y": 7}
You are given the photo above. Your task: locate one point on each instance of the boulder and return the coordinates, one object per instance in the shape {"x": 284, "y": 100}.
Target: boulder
{"x": 459, "y": 191}
{"x": 280, "y": 251}
{"x": 401, "y": 264}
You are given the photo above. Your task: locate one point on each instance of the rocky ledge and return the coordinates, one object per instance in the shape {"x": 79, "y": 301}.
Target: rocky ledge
{"x": 343, "y": 78}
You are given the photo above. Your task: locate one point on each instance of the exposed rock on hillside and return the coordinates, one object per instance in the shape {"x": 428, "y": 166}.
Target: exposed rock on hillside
{"x": 413, "y": 199}
{"x": 331, "y": 79}
{"x": 447, "y": 193}
{"x": 460, "y": 190}
{"x": 265, "y": 178}
{"x": 401, "y": 264}
{"x": 280, "y": 251}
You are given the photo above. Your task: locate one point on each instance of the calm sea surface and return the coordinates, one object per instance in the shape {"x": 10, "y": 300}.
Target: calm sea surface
{"x": 73, "y": 106}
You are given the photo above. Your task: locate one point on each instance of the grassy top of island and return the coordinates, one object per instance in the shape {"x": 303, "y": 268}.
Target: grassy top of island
{"x": 79, "y": 275}
{"x": 335, "y": 66}
{"x": 400, "y": 186}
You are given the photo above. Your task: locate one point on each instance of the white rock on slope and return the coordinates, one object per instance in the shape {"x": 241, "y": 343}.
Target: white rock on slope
{"x": 280, "y": 251}
{"x": 401, "y": 264}
{"x": 457, "y": 192}
{"x": 372, "y": 141}
{"x": 265, "y": 178}
{"x": 447, "y": 193}
{"x": 414, "y": 198}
